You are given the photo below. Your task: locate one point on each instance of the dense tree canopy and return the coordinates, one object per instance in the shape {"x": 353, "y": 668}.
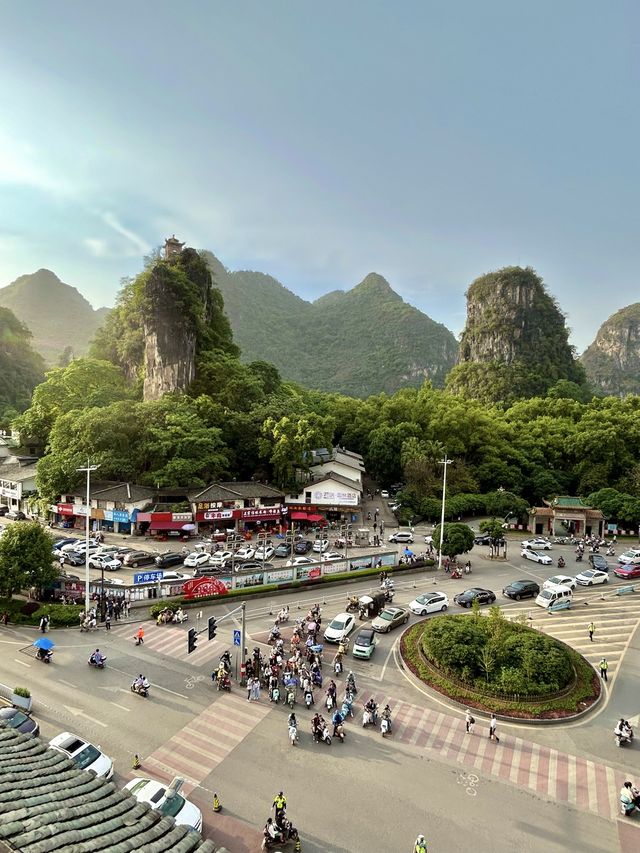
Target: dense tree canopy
{"x": 21, "y": 368}
{"x": 25, "y": 558}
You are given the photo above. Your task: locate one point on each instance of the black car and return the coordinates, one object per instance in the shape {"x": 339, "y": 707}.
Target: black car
{"x": 163, "y": 561}
{"x": 303, "y": 547}
{"x": 17, "y": 719}
{"x": 598, "y": 562}
{"x": 482, "y": 596}
{"x": 521, "y": 589}
{"x": 282, "y": 550}
{"x": 138, "y": 558}
{"x": 485, "y": 539}
{"x": 73, "y": 558}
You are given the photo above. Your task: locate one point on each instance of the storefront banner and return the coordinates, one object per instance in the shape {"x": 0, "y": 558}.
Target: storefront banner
{"x": 181, "y": 516}
{"x": 81, "y": 509}
{"x": 217, "y": 515}
{"x": 120, "y": 515}
{"x": 334, "y": 568}
{"x": 65, "y": 509}
{"x": 341, "y": 498}
{"x": 281, "y": 576}
{"x": 304, "y": 573}
{"x": 260, "y": 512}
{"x": 198, "y": 587}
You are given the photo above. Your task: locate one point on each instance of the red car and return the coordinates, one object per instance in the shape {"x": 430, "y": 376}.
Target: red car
{"x": 627, "y": 571}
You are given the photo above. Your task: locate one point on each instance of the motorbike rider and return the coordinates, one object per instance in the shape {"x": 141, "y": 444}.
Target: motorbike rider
{"x": 337, "y": 720}
{"x": 97, "y": 658}
{"x": 271, "y": 831}
{"x": 317, "y": 724}
{"x": 291, "y": 720}
{"x": 350, "y": 685}
{"x": 140, "y": 684}
{"x": 629, "y": 795}
{"x": 623, "y": 730}
{"x": 386, "y": 715}
{"x": 420, "y": 845}
{"x": 225, "y": 660}
{"x": 372, "y": 709}
{"x": 44, "y": 654}
{"x": 332, "y": 691}
{"x": 561, "y": 563}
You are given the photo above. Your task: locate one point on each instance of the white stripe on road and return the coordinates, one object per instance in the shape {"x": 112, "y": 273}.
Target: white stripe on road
{"x": 122, "y": 708}
{"x": 22, "y": 663}
{"x": 154, "y": 686}
{"x": 68, "y": 684}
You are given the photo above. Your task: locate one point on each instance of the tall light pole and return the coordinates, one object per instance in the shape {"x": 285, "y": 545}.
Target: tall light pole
{"x": 87, "y": 471}
{"x": 444, "y": 462}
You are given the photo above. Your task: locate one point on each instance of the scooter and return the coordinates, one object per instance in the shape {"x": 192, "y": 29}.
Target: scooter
{"x": 92, "y": 662}
{"x": 293, "y": 735}
{"x": 623, "y": 736}
{"x": 579, "y": 557}
{"x": 323, "y": 735}
{"x": 44, "y": 656}
{"x": 308, "y": 698}
{"x": 291, "y": 698}
{"x": 223, "y": 683}
{"x": 385, "y": 726}
{"x": 369, "y": 717}
{"x": 275, "y": 695}
{"x": 455, "y": 574}
{"x": 142, "y": 690}
{"x": 338, "y": 731}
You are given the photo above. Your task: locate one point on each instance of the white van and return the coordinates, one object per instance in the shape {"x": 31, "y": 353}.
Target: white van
{"x": 554, "y": 594}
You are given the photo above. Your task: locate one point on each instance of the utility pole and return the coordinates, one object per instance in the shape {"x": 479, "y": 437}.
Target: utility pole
{"x": 444, "y": 462}
{"x": 87, "y": 471}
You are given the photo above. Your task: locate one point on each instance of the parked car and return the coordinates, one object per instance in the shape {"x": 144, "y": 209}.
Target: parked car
{"x": 85, "y": 755}
{"x": 536, "y": 557}
{"x": 283, "y": 550}
{"x": 59, "y": 543}
{"x": 138, "y": 558}
{"x": 631, "y": 556}
{"x": 390, "y": 618}
{"x": 4, "y": 509}
{"x": 19, "y": 720}
{"x": 331, "y": 557}
{"x": 384, "y": 494}
{"x": 339, "y": 627}
{"x": 364, "y": 644}
{"x": 252, "y": 566}
{"x": 303, "y": 547}
{"x": 482, "y": 596}
{"x": 429, "y": 602}
{"x": 539, "y": 543}
{"x": 105, "y": 561}
{"x": 221, "y": 558}
{"x": 71, "y": 558}
{"x": 264, "y": 552}
{"x": 172, "y": 558}
{"x": 559, "y": 580}
{"x": 15, "y": 515}
{"x": 627, "y": 571}
{"x": 299, "y": 561}
{"x": 114, "y": 550}
{"x": 80, "y": 546}
{"x": 176, "y": 576}
{"x": 169, "y": 804}
{"x": 320, "y": 545}
{"x": 401, "y": 536}
{"x": 195, "y": 559}
{"x": 592, "y": 576}
{"x": 521, "y": 589}
{"x": 245, "y": 552}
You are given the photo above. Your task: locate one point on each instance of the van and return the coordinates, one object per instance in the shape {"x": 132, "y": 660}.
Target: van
{"x": 554, "y": 594}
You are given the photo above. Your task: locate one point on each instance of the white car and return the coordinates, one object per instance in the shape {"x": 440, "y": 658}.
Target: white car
{"x": 84, "y": 755}
{"x": 340, "y": 627}
{"x": 591, "y": 576}
{"x": 429, "y": 602}
{"x": 536, "y": 557}
{"x": 167, "y": 803}
{"x": 559, "y": 580}
{"x": 384, "y": 494}
{"x": 220, "y": 558}
{"x": 264, "y": 552}
{"x": 332, "y": 557}
{"x": 630, "y": 557}
{"x": 105, "y": 561}
{"x": 537, "y": 544}
{"x": 176, "y": 576}
{"x": 195, "y": 559}
{"x": 247, "y": 552}
{"x": 299, "y": 561}
{"x": 402, "y": 536}
{"x": 320, "y": 545}
{"x": 80, "y": 547}
{"x": 109, "y": 549}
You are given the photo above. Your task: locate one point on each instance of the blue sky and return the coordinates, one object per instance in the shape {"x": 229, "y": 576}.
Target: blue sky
{"x": 428, "y": 141}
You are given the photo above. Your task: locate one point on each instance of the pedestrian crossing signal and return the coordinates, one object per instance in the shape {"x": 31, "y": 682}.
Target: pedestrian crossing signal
{"x": 212, "y": 627}
{"x": 192, "y": 640}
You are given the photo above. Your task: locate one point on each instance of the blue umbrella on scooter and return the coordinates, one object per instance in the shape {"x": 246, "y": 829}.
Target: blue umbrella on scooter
{"x": 44, "y": 646}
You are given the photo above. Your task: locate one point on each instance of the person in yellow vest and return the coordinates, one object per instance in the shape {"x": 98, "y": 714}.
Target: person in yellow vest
{"x": 280, "y": 803}
{"x": 591, "y": 628}
{"x": 604, "y": 666}
{"x": 420, "y": 845}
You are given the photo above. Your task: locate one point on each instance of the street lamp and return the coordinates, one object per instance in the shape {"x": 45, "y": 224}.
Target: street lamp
{"x": 444, "y": 462}
{"x": 87, "y": 471}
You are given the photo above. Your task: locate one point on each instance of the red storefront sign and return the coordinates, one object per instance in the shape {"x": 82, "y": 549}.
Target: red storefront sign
{"x": 260, "y": 513}
{"x": 65, "y": 509}
{"x": 198, "y": 587}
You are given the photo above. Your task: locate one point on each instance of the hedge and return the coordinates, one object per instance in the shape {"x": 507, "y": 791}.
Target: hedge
{"x": 30, "y": 612}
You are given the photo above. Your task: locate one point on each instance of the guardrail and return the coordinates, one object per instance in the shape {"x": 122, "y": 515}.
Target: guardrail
{"x": 560, "y": 605}
{"x": 623, "y": 590}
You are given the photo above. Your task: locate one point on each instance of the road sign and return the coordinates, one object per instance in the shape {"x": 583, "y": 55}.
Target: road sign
{"x": 148, "y": 577}
{"x": 236, "y": 638}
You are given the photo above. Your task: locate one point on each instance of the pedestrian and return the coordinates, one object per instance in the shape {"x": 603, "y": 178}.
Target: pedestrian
{"x": 249, "y": 688}
{"x": 591, "y": 628}
{"x": 493, "y": 724}
{"x": 116, "y": 610}
{"x": 255, "y": 690}
{"x": 107, "y": 622}
{"x": 44, "y": 621}
{"x": 604, "y": 666}
{"x": 280, "y": 803}
{"x": 469, "y": 721}
{"x": 139, "y": 637}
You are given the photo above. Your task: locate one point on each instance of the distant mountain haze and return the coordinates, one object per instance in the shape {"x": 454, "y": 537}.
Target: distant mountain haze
{"x": 358, "y": 342}
{"x": 56, "y": 314}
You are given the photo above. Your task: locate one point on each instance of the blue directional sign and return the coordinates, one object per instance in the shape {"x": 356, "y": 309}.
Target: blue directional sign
{"x": 148, "y": 577}
{"x": 236, "y": 638}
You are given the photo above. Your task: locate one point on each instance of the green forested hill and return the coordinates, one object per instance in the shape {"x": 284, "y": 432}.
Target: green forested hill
{"x": 56, "y": 314}
{"x": 357, "y": 342}
{"x": 21, "y": 369}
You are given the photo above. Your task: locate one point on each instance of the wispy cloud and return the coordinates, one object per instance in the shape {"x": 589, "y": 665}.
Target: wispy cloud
{"x": 137, "y": 242}
{"x": 21, "y": 164}
{"x": 97, "y": 246}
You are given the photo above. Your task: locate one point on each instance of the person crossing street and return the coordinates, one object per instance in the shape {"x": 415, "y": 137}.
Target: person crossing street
{"x": 604, "y": 666}
{"x": 591, "y": 628}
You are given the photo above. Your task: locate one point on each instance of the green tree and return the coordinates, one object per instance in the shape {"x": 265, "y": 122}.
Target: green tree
{"x": 457, "y": 539}
{"x": 502, "y": 504}
{"x": 25, "y": 558}
{"x": 21, "y": 368}
{"x": 287, "y": 442}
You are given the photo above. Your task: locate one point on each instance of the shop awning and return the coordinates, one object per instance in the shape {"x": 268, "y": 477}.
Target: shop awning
{"x": 170, "y": 525}
{"x": 299, "y": 516}
{"x": 316, "y": 517}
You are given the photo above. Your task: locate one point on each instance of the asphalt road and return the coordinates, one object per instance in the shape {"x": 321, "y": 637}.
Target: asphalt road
{"x": 367, "y": 794}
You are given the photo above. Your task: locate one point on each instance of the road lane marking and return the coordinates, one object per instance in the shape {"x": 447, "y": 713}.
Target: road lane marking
{"x": 78, "y": 712}
{"x": 68, "y": 684}
{"x": 22, "y": 663}
{"x": 153, "y": 685}
{"x": 122, "y": 708}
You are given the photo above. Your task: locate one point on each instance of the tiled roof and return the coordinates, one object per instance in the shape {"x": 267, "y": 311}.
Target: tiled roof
{"x": 568, "y": 501}
{"x": 235, "y": 491}
{"x": 47, "y": 805}
{"x": 541, "y": 510}
{"x": 123, "y": 492}
{"x": 339, "y": 478}
{"x": 17, "y": 473}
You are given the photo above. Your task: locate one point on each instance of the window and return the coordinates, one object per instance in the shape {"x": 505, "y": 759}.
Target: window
{"x": 307, "y": 497}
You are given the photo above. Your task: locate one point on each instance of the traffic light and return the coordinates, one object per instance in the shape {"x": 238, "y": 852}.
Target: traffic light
{"x": 212, "y": 627}
{"x": 192, "y": 641}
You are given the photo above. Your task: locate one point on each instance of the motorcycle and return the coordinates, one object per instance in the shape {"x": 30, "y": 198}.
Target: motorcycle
{"x": 141, "y": 689}
{"x": 97, "y": 664}
{"x": 291, "y": 698}
{"x": 224, "y": 682}
{"x": 561, "y": 562}
{"x": 329, "y": 702}
{"x": 579, "y": 557}
{"x": 350, "y": 686}
{"x": 322, "y": 734}
{"x": 274, "y": 695}
{"x": 455, "y": 574}
{"x": 308, "y": 698}
{"x": 293, "y": 735}
{"x": 369, "y": 717}
{"x": 610, "y": 552}
{"x": 385, "y": 726}
{"x": 623, "y": 734}
{"x": 225, "y": 660}
{"x": 347, "y": 709}
{"x": 338, "y": 731}
{"x": 44, "y": 655}
{"x": 352, "y": 604}
{"x": 274, "y": 634}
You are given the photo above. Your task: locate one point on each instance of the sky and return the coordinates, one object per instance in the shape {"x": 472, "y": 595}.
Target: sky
{"x": 428, "y": 141}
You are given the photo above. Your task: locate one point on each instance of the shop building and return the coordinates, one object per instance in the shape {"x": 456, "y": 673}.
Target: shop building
{"x": 17, "y": 482}
{"x": 566, "y": 515}
{"x": 331, "y": 498}
{"x": 237, "y": 506}
{"x": 114, "y": 507}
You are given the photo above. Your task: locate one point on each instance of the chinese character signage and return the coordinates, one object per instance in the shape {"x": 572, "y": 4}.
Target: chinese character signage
{"x": 148, "y": 577}
{"x": 260, "y": 512}
{"x": 340, "y": 498}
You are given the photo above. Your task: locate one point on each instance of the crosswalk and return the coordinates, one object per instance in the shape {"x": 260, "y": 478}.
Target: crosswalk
{"x": 615, "y": 618}
{"x": 550, "y": 773}
{"x": 171, "y": 640}
{"x": 205, "y": 742}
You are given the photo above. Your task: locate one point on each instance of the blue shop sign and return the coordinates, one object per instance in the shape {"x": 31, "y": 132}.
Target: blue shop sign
{"x": 148, "y": 577}
{"x": 120, "y": 515}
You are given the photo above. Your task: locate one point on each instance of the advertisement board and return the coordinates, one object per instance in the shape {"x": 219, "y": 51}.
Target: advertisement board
{"x": 197, "y": 587}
